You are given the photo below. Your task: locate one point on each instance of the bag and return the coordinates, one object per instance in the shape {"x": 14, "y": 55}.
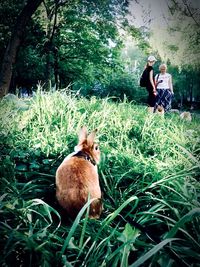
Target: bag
{"x": 144, "y": 79}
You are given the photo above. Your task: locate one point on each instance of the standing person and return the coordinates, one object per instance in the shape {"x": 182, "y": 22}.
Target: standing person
{"x": 148, "y": 82}
{"x": 164, "y": 89}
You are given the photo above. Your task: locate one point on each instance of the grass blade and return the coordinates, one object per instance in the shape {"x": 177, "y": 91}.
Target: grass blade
{"x": 75, "y": 224}
{"x": 152, "y": 252}
{"x": 187, "y": 217}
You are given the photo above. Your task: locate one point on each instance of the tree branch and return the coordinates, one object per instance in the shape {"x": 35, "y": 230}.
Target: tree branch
{"x": 55, "y": 21}
{"x": 190, "y": 12}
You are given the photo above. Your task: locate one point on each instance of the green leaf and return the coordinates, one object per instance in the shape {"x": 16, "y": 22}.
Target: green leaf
{"x": 74, "y": 226}
{"x": 47, "y": 161}
{"x": 113, "y": 215}
{"x": 186, "y": 218}
{"x": 128, "y": 234}
{"x": 152, "y": 251}
{"x": 21, "y": 167}
{"x": 34, "y": 166}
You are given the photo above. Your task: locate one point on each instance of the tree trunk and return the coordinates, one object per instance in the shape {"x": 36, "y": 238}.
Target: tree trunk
{"x": 14, "y": 43}
{"x": 51, "y": 50}
{"x": 191, "y": 91}
{"x": 56, "y": 73}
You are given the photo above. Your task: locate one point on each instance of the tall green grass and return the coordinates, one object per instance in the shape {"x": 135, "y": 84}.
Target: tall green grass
{"x": 149, "y": 174}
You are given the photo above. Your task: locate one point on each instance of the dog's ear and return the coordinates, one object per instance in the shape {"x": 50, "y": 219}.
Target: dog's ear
{"x": 82, "y": 135}
{"x": 90, "y": 138}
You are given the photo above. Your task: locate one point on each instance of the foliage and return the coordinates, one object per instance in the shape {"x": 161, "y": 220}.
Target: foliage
{"x": 186, "y": 80}
{"x": 148, "y": 174}
{"x": 8, "y": 13}
{"x": 122, "y": 85}
{"x": 187, "y": 24}
{"x": 179, "y": 38}
{"x": 84, "y": 43}
{"x": 72, "y": 41}
{"x": 142, "y": 36}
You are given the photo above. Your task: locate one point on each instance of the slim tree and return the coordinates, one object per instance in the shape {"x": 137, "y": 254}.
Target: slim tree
{"x": 14, "y": 43}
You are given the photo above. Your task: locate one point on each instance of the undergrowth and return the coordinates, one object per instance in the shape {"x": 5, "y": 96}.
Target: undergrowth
{"x": 148, "y": 174}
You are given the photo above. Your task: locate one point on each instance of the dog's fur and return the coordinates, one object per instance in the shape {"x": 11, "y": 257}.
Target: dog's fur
{"x": 186, "y": 115}
{"x": 150, "y": 109}
{"x": 77, "y": 178}
{"x": 160, "y": 110}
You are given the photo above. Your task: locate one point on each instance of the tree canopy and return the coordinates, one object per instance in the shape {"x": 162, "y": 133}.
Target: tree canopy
{"x": 95, "y": 45}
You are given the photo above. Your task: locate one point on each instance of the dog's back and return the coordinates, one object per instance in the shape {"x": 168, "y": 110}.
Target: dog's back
{"x": 186, "y": 115}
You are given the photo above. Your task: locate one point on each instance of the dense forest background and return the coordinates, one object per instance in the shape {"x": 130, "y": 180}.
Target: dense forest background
{"x": 99, "y": 47}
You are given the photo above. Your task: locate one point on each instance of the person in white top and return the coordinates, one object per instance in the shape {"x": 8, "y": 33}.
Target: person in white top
{"x": 164, "y": 88}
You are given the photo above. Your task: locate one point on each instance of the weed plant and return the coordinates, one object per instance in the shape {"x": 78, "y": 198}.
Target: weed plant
{"x": 149, "y": 176}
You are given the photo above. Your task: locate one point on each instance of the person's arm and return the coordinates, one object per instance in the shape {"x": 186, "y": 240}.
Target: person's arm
{"x": 155, "y": 80}
{"x": 171, "y": 85}
{"x": 152, "y": 81}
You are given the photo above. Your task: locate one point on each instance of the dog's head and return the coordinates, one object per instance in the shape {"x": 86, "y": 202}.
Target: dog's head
{"x": 160, "y": 110}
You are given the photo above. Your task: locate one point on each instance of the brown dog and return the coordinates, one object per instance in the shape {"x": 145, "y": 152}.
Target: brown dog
{"x": 77, "y": 177}
{"x": 186, "y": 115}
{"x": 160, "y": 110}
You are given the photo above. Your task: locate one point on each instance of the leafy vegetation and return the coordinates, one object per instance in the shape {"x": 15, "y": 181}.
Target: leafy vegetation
{"x": 84, "y": 43}
{"x": 148, "y": 174}
{"x": 65, "y": 41}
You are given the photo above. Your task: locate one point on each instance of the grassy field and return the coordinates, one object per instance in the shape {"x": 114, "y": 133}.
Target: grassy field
{"x": 148, "y": 174}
